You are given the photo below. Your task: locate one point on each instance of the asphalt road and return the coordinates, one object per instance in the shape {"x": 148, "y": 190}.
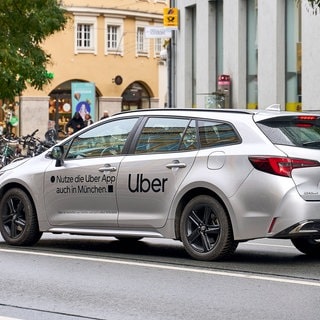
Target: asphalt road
{"x": 68, "y": 277}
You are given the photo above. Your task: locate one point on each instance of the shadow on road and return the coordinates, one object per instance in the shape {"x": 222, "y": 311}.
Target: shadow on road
{"x": 260, "y": 259}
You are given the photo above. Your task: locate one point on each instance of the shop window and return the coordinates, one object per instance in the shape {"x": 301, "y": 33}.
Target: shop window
{"x": 293, "y": 56}
{"x": 252, "y": 54}
{"x": 60, "y": 113}
{"x": 135, "y": 97}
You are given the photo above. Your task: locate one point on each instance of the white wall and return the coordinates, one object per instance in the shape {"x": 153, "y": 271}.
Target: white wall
{"x": 310, "y": 60}
{"x": 163, "y": 84}
{"x": 271, "y": 43}
{"x": 205, "y": 56}
{"x": 271, "y": 53}
{"x": 34, "y": 115}
{"x": 205, "y": 60}
{"x": 234, "y": 49}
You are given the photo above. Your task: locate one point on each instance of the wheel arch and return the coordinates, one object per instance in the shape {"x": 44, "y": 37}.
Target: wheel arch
{"x": 12, "y": 185}
{"x": 190, "y": 195}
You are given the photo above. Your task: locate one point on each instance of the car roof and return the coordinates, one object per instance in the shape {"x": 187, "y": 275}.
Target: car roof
{"x": 258, "y": 114}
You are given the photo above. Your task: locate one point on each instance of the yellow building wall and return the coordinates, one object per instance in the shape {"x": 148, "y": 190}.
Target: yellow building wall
{"x": 66, "y": 65}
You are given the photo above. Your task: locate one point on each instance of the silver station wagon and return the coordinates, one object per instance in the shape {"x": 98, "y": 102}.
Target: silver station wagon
{"x": 209, "y": 178}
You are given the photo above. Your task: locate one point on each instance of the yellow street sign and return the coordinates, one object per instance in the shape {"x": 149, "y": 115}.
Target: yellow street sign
{"x": 170, "y": 17}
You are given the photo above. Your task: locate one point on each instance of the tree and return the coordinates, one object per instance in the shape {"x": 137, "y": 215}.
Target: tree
{"x": 314, "y": 3}
{"x": 24, "y": 24}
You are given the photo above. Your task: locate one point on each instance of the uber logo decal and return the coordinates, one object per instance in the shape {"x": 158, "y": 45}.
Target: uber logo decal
{"x": 141, "y": 184}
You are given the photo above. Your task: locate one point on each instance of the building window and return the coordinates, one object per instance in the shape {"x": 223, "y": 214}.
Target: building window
{"x": 252, "y": 54}
{"x": 85, "y": 35}
{"x": 142, "y": 43}
{"x": 219, "y": 36}
{"x": 157, "y": 46}
{"x": 114, "y": 36}
{"x": 293, "y": 56}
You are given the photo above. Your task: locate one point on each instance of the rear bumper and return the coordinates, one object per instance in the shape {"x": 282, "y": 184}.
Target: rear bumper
{"x": 306, "y": 228}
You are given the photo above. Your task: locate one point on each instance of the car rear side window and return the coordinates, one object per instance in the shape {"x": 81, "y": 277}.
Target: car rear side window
{"x": 214, "y": 133}
{"x": 299, "y": 131}
{"x": 162, "y": 135}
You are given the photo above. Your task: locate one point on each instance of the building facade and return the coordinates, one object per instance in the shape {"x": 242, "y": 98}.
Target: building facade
{"x": 104, "y": 45}
{"x": 247, "y": 54}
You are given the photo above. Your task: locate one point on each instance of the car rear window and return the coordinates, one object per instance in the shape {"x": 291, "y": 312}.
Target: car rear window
{"x": 214, "y": 133}
{"x": 300, "y": 131}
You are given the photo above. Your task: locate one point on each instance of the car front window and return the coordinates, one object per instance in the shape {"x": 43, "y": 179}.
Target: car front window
{"x": 104, "y": 140}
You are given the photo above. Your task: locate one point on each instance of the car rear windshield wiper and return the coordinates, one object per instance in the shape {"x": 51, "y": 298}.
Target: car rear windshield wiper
{"x": 312, "y": 144}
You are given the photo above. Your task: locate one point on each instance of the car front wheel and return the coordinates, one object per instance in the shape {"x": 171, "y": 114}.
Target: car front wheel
{"x": 206, "y": 231}
{"x": 308, "y": 246}
{"x": 18, "y": 220}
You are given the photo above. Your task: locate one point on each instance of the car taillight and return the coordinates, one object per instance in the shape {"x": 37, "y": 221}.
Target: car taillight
{"x": 280, "y": 165}
{"x": 307, "y": 118}
{"x": 306, "y": 121}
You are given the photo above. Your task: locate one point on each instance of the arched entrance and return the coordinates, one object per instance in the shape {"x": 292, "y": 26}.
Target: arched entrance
{"x": 135, "y": 96}
{"x": 60, "y": 105}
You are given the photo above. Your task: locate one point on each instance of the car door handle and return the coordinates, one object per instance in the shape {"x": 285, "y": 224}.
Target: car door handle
{"x": 107, "y": 167}
{"x": 176, "y": 164}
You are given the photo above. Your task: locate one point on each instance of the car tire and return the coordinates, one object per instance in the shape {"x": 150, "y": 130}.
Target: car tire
{"x": 308, "y": 246}
{"x": 18, "y": 219}
{"x": 206, "y": 230}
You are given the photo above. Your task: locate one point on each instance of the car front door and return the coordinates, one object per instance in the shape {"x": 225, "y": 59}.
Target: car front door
{"x": 149, "y": 178}
{"x": 82, "y": 191}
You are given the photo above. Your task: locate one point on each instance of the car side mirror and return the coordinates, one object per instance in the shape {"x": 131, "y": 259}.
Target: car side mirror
{"x": 57, "y": 154}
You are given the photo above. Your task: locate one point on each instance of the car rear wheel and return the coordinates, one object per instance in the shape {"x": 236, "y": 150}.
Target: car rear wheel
{"x": 18, "y": 220}
{"x": 308, "y": 246}
{"x": 206, "y": 231}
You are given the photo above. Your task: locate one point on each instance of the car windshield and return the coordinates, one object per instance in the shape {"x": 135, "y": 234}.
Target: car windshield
{"x": 104, "y": 140}
{"x": 299, "y": 131}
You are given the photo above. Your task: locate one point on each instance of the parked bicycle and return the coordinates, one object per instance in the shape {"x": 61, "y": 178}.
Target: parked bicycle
{"x": 19, "y": 148}
{"x": 9, "y": 150}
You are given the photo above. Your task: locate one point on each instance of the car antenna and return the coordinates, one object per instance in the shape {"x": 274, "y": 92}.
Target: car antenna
{"x": 274, "y": 107}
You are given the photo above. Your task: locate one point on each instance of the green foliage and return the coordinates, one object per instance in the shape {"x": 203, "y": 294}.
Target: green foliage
{"x": 314, "y": 3}
{"x": 24, "y": 25}
{"x": 311, "y": 5}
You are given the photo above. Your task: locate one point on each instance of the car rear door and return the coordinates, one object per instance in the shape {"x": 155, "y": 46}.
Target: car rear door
{"x": 149, "y": 178}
